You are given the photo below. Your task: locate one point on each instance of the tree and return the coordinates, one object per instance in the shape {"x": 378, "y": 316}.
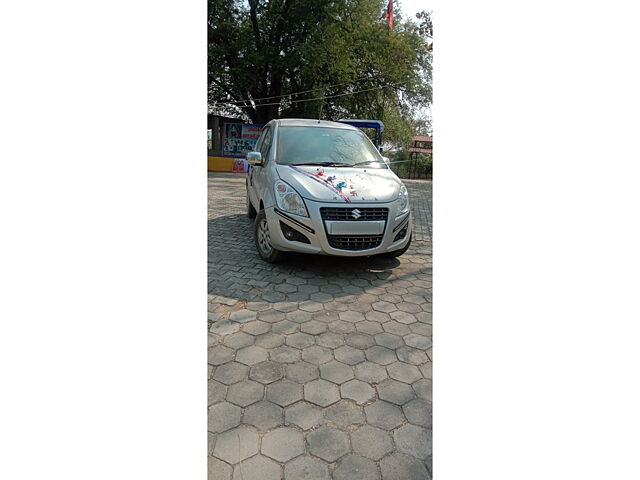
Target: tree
{"x": 338, "y": 53}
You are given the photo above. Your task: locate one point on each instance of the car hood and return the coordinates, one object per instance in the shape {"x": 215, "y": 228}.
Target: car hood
{"x": 342, "y": 184}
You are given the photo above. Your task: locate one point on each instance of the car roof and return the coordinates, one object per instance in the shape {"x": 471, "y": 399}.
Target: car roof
{"x": 307, "y": 122}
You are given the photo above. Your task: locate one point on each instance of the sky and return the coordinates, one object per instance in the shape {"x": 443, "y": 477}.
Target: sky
{"x": 409, "y": 8}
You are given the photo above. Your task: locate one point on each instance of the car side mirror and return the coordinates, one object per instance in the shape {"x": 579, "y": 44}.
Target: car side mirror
{"x": 254, "y": 158}
{"x": 386, "y": 160}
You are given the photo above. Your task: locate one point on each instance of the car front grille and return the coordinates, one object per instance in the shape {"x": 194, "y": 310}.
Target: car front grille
{"x": 352, "y": 242}
{"x": 348, "y": 214}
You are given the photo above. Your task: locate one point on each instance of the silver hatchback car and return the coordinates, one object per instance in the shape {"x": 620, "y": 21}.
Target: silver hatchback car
{"x": 322, "y": 187}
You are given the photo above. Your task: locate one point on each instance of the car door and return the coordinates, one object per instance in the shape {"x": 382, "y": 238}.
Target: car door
{"x": 258, "y": 177}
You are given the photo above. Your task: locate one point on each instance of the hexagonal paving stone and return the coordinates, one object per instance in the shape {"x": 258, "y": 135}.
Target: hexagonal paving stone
{"x": 418, "y": 412}
{"x": 360, "y": 340}
{"x": 263, "y": 415}
{"x": 251, "y": 355}
{"x": 427, "y": 370}
{"x": 328, "y": 443}
{"x": 226, "y": 327}
{"x": 404, "y": 372}
{"x": 330, "y": 340}
{"x": 340, "y": 326}
{"x": 302, "y": 372}
{"x": 423, "y": 389}
{"x": 257, "y": 467}
{"x": 299, "y": 340}
{"x": 413, "y": 440}
{"x": 384, "y": 415}
{"x": 306, "y": 468}
{"x": 313, "y": 327}
{"x": 351, "y": 316}
{"x": 285, "y": 306}
{"x": 283, "y": 444}
{"x": 396, "y": 328}
{"x": 399, "y": 466}
{"x": 334, "y": 306}
{"x": 412, "y": 355}
{"x": 299, "y": 316}
{"x": 371, "y": 372}
{"x": 284, "y": 392}
{"x": 417, "y": 341}
{"x": 371, "y": 328}
{"x": 354, "y": 467}
{"x": 421, "y": 329}
{"x": 245, "y": 393}
{"x": 242, "y": 316}
{"x": 218, "y": 470}
{"x": 358, "y": 391}
{"x": 310, "y": 306}
{"x": 385, "y": 307}
{"x": 284, "y": 327}
{"x": 235, "y": 445}
{"x": 284, "y": 354}
{"x": 223, "y": 416}
{"x": 239, "y": 340}
{"x": 317, "y": 355}
{"x": 257, "y": 327}
{"x": 349, "y": 355}
{"x": 389, "y": 340}
{"x": 372, "y": 442}
{"x": 216, "y": 392}
{"x": 336, "y": 372}
{"x": 219, "y": 355}
{"x": 231, "y": 372}
{"x": 395, "y": 392}
{"x": 266, "y": 372}
{"x": 269, "y": 340}
{"x": 409, "y": 307}
{"x": 344, "y": 414}
{"x": 321, "y": 392}
{"x": 303, "y": 415}
{"x": 380, "y": 355}
{"x": 377, "y": 316}
{"x": 271, "y": 316}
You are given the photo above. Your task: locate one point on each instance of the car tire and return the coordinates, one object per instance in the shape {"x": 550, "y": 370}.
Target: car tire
{"x": 262, "y": 238}
{"x": 251, "y": 212}
{"x": 397, "y": 253}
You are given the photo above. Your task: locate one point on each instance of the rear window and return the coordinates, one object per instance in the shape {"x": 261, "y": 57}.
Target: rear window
{"x": 299, "y": 145}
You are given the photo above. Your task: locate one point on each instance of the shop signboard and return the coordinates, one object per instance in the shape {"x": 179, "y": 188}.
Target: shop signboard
{"x": 238, "y": 139}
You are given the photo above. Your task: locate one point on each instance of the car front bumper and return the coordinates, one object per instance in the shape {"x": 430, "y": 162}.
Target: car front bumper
{"x": 347, "y": 234}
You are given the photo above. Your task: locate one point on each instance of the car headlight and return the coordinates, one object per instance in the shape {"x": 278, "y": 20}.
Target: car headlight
{"x": 403, "y": 200}
{"x": 288, "y": 200}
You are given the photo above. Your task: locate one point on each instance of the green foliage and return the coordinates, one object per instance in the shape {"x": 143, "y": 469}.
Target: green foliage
{"x": 337, "y": 48}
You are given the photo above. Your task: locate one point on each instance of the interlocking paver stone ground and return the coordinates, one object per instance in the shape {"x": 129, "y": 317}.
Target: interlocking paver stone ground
{"x": 283, "y": 444}
{"x": 306, "y": 468}
{"x": 328, "y": 443}
{"x": 331, "y": 353}
{"x": 372, "y": 442}
{"x": 263, "y": 415}
{"x": 354, "y": 467}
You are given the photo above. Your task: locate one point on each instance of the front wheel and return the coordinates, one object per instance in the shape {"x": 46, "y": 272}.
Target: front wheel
{"x": 263, "y": 239}
{"x": 397, "y": 253}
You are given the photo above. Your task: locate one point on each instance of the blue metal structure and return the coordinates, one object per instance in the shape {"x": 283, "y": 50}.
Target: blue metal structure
{"x": 377, "y": 125}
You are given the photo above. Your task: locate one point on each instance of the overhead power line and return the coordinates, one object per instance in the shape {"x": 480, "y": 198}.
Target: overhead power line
{"x": 326, "y": 96}
{"x": 248, "y": 100}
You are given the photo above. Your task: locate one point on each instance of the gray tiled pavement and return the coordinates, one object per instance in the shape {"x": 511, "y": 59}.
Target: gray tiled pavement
{"x": 319, "y": 367}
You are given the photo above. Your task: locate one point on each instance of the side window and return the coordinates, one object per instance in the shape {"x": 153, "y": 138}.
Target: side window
{"x": 265, "y": 145}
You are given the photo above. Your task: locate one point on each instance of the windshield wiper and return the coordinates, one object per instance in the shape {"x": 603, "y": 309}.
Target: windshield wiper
{"x": 324, "y": 164}
{"x": 365, "y": 163}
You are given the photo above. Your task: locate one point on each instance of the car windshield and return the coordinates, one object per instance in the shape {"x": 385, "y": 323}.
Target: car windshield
{"x": 328, "y": 146}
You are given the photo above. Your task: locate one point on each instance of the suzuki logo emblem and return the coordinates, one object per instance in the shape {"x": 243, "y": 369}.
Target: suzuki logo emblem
{"x": 355, "y": 214}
